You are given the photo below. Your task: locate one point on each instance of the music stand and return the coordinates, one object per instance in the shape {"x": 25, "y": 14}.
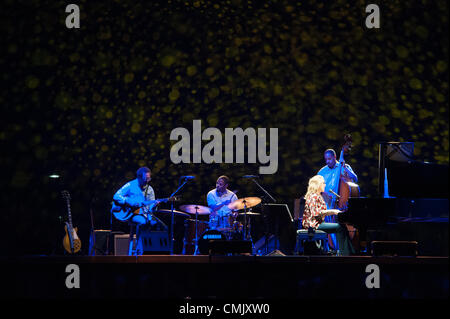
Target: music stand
{"x": 277, "y": 218}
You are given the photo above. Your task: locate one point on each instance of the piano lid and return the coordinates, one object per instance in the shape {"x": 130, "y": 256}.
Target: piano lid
{"x": 417, "y": 179}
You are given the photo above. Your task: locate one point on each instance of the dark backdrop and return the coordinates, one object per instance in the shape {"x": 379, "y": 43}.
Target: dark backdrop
{"x": 95, "y": 103}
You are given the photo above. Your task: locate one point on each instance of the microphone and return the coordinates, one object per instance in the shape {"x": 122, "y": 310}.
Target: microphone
{"x": 335, "y": 193}
{"x": 188, "y": 177}
{"x": 250, "y": 176}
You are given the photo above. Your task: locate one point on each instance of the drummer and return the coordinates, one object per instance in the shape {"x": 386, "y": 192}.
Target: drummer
{"x": 221, "y": 216}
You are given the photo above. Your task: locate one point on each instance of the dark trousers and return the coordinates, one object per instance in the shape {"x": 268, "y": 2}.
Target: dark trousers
{"x": 344, "y": 243}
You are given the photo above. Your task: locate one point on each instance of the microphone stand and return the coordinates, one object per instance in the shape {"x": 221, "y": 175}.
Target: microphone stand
{"x": 274, "y": 200}
{"x": 172, "y": 239}
{"x": 262, "y": 188}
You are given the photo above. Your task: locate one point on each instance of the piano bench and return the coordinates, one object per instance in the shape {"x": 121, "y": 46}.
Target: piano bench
{"x": 311, "y": 243}
{"x": 318, "y": 234}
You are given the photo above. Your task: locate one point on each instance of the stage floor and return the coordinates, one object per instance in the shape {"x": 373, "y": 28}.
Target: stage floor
{"x": 183, "y": 277}
{"x": 277, "y": 259}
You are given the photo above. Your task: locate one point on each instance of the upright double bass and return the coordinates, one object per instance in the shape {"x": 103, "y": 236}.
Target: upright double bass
{"x": 346, "y": 189}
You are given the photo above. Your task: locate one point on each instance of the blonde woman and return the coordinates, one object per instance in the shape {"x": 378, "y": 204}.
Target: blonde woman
{"x": 316, "y": 210}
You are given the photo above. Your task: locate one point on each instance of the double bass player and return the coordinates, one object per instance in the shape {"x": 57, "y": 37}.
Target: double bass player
{"x": 333, "y": 173}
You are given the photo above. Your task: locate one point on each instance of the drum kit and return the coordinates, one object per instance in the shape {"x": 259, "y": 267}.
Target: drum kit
{"x": 233, "y": 230}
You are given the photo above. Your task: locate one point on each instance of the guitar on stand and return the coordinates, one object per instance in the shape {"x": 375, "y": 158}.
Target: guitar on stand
{"x": 71, "y": 242}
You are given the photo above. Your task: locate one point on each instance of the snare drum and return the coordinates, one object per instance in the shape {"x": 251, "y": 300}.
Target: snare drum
{"x": 189, "y": 234}
{"x": 221, "y": 222}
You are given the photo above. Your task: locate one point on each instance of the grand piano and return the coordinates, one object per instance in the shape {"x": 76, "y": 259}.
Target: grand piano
{"x": 416, "y": 210}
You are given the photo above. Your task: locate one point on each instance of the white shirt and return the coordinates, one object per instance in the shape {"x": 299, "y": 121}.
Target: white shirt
{"x": 220, "y": 220}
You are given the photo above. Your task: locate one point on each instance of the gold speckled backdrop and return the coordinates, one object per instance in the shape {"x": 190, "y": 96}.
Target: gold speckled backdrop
{"x": 95, "y": 103}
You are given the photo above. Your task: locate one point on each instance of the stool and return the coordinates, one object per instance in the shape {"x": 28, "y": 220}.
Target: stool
{"x": 317, "y": 238}
{"x": 132, "y": 248}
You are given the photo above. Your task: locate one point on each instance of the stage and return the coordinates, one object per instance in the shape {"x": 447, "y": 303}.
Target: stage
{"x": 182, "y": 277}
{"x": 111, "y": 108}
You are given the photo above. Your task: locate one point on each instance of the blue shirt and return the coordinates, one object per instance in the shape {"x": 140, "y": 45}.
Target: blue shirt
{"x": 131, "y": 194}
{"x": 331, "y": 176}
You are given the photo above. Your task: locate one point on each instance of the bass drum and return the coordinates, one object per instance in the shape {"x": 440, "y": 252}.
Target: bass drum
{"x": 207, "y": 236}
{"x": 189, "y": 234}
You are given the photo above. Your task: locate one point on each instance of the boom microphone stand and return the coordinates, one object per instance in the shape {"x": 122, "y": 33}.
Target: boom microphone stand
{"x": 262, "y": 188}
{"x": 253, "y": 179}
{"x": 172, "y": 239}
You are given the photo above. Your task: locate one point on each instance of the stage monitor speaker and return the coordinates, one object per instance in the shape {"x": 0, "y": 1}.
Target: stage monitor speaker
{"x": 276, "y": 252}
{"x": 394, "y": 248}
{"x": 155, "y": 242}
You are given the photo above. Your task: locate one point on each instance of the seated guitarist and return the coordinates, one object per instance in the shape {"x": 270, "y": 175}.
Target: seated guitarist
{"x": 316, "y": 210}
{"x": 134, "y": 195}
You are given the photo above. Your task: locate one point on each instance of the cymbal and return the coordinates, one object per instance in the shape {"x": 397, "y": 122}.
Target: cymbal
{"x": 168, "y": 211}
{"x": 192, "y": 209}
{"x": 250, "y": 213}
{"x": 244, "y": 202}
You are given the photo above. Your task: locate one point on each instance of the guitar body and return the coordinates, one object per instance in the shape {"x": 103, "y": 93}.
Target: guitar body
{"x": 74, "y": 237}
{"x": 71, "y": 242}
{"x": 123, "y": 213}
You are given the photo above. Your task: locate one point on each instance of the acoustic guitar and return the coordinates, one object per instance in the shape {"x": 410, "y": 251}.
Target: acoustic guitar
{"x": 124, "y": 212}
{"x": 71, "y": 242}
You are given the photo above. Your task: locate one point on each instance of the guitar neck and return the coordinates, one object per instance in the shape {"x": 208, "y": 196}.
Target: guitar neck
{"x": 69, "y": 216}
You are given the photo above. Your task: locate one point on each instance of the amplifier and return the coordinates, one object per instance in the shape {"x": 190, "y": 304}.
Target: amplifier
{"x": 101, "y": 242}
{"x": 121, "y": 244}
